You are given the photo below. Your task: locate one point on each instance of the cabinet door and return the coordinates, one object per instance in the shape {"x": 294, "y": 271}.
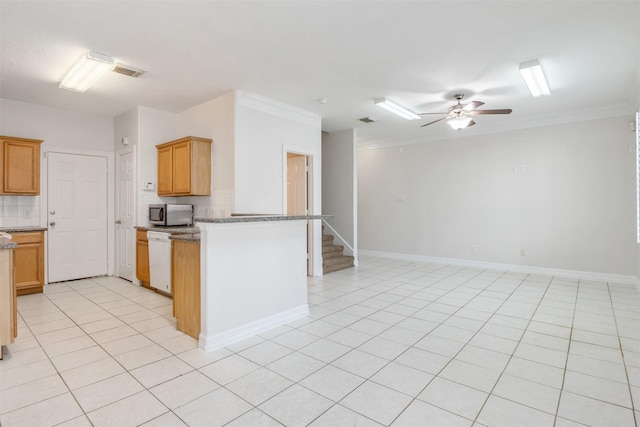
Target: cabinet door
{"x": 182, "y": 168}
{"x": 165, "y": 171}
{"x": 28, "y": 259}
{"x": 21, "y": 167}
{"x": 142, "y": 261}
{"x": 185, "y": 278}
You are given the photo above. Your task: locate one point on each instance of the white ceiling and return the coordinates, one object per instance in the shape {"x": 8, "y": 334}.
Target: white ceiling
{"x": 417, "y": 53}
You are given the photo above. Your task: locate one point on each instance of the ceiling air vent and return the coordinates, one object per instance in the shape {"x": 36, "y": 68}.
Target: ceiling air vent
{"x": 127, "y": 71}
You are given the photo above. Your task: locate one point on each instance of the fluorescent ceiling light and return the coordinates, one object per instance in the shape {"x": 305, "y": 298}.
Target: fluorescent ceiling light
{"x": 534, "y": 77}
{"x": 87, "y": 71}
{"x": 460, "y": 122}
{"x": 396, "y": 109}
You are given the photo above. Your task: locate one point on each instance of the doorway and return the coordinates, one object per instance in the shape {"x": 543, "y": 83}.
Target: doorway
{"x": 298, "y": 199}
{"x": 77, "y": 216}
{"x": 297, "y": 184}
{"x": 125, "y": 211}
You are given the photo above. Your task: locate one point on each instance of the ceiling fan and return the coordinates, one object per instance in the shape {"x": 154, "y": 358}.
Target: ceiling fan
{"x": 459, "y": 115}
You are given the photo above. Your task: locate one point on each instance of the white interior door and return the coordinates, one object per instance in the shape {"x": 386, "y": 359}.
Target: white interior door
{"x": 298, "y": 193}
{"x": 125, "y": 234}
{"x": 77, "y": 213}
{"x": 296, "y": 184}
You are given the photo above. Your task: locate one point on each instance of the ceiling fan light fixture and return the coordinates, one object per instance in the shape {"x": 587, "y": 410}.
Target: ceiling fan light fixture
{"x": 534, "y": 78}
{"x": 396, "y": 109}
{"x": 459, "y": 123}
{"x": 87, "y": 71}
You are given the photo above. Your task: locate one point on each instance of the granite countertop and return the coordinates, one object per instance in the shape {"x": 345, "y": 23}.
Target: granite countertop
{"x": 6, "y": 242}
{"x": 260, "y": 218}
{"x": 21, "y": 229}
{"x": 172, "y": 230}
{"x": 192, "y": 237}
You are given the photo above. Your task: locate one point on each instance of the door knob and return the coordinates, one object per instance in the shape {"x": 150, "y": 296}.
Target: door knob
{"x": 52, "y": 223}
{"x": 52, "y": 212}
{"x": 118, "y": 221}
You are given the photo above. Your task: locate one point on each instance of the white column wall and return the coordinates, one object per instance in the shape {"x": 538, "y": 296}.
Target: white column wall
{"x": 339, "y": 184}
{"x": 263, "y": 128}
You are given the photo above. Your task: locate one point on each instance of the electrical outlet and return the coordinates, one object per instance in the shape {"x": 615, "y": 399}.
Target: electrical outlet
{"x": 26, "y": 214}
{"x": 474, "y": 248}
{"x": 522, "y": 253}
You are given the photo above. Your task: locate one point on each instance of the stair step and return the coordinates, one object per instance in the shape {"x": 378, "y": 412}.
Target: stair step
{"x": 327, "y": 239}
{"x": 336, "y": 263}
{"x": 332, "y": 250}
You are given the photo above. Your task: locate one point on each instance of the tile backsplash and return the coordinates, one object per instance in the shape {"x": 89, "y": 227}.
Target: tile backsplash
{"x": 19, "y": 211}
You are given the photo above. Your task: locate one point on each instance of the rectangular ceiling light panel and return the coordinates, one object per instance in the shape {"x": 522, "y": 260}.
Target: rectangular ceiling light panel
{"x": 396, "y": 109}
{"x": 534, "y": 78}
{"x": 87, "y": 71}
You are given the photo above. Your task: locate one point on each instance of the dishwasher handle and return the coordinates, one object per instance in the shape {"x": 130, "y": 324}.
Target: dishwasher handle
{"x": 158, "y": 236}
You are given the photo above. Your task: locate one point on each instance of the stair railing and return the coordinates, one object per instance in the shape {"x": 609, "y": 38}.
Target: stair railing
{"x": 336, "y": 234}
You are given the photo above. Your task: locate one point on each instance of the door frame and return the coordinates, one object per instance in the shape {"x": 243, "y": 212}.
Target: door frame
{"x": 116, "y": 177}
{"x": 44, "y": 199}
{"x": 314, "y": 202}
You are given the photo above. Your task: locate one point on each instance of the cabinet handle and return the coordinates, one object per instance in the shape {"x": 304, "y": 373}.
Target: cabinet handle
{"x": 52, "y": 223}
{"x": 52, "y": 212}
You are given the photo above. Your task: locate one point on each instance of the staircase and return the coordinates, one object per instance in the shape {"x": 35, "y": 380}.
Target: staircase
{"x": 332, "y": 255}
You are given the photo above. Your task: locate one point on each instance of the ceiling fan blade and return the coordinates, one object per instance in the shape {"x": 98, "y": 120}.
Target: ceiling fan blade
{"x": 435, "y": 121}
{"x": 472, "y": 105}
{"x": 424, "y": 114}
{"x": 502, "y": 111}
{"x": 471, "y": 123}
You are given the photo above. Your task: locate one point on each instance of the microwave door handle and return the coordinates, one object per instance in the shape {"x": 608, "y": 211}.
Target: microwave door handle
{"x": 161, "y": 214}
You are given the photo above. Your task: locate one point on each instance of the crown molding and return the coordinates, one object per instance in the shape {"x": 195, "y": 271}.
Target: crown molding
{"x": 277, "y": 108}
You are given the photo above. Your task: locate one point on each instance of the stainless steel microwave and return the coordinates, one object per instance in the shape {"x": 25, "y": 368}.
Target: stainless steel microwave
{"x": 170, "y": 215}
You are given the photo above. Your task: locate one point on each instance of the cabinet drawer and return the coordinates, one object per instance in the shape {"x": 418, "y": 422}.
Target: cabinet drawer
{"x": 141, "y": 235}
{"x": 22, "y": 238}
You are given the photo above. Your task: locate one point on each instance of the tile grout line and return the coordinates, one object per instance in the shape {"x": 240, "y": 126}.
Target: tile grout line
{"x": 622, "y": 352}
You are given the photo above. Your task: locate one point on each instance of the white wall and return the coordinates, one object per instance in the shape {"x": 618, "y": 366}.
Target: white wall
{"x": 213, "y": 119}
{"x": 154, "y": 127}
{"x": 564, "y": 194}
{"x": 126, "y": 126}
{"x": 58, "y": 129}
{"x": 339, "y": 184}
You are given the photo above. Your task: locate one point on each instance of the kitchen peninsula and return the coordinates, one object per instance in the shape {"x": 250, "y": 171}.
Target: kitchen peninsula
{"x": 253, "y": 273}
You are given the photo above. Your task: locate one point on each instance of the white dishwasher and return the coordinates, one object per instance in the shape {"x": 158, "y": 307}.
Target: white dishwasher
{"x": 160, "y": 260}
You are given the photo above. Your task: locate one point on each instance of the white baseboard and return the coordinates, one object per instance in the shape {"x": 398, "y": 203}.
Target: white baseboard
{"x": 232, "y": 336}
{"x": 576, "y": 274}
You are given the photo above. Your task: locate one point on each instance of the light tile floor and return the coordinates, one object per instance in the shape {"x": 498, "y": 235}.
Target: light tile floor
{"x": 391, "y": 343}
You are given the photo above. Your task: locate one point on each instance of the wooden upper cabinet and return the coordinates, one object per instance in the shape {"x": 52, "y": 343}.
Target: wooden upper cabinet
{"x": 184, "y": 167}
{"x": 165, "y": 170}
{"x": 20, "y": 163}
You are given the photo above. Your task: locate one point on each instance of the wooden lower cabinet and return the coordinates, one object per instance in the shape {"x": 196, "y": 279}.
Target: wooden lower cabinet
{"x": 8, "y": 303}
{"x": 142, "y": 258}
{"x": 185, "y": 279}
{"x": 28, "y": 261}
